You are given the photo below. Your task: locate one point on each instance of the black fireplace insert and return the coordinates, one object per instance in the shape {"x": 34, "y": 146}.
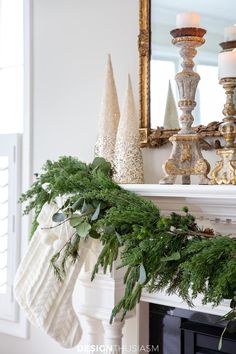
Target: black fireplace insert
{"x": 177, "y": 331}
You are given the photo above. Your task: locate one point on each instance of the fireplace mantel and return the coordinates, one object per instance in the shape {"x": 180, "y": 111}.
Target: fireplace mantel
{"x": 221, "y": 192}
{"x": 214, "y": 206}
{"x": 212, "y": 202}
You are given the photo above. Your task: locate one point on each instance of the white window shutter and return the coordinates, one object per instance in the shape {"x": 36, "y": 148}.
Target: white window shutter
{"x": 15, "y": 170}
{"x": 10, "y": 214}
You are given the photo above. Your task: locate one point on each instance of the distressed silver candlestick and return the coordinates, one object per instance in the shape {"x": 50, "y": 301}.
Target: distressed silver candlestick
{"x": 225, "y": 169}
{"x": 186, "y": 158}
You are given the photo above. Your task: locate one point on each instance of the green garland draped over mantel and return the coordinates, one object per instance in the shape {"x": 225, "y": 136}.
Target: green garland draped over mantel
{"x": 160, "y": 253}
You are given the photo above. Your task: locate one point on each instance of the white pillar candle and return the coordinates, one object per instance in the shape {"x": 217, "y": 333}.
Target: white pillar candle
{"x": 187, "y": 19}
{"x": 230, "y": 33}
{"x": 227, "y": 64}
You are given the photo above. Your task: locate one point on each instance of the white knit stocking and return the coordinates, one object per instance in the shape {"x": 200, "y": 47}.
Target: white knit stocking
{"x": 47, "y": 301}
{"x": 37, "y": 254}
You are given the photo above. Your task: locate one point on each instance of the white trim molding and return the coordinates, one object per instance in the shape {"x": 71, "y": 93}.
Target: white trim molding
{"x": 19, "y": 325}
{"x": 212, "y": 202}
{"x": 223, "y": 192}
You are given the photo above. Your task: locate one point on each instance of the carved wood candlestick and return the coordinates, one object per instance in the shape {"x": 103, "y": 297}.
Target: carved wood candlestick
{"x": 186, "y": 158}
{"x": 225, "y": 170}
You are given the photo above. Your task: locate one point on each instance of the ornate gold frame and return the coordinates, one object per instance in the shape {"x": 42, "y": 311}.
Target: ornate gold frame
{"x": 154, "y": 138}
{"x": 144, "y": 69}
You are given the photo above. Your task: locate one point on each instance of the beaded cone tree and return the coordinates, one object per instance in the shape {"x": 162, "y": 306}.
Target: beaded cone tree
{"x": 128, "y": 160}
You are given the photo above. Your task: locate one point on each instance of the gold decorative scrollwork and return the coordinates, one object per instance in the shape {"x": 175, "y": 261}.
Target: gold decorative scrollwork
{"x": 154, "y": 138}
{"x": 186, "y": 153}
{"x": 144, "y": 42}
{"x": 144, "y": 67}
{"x": 225, "y": 169}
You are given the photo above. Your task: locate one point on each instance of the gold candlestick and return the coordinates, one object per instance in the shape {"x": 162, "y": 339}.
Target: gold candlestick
{"x": 186, "y": 158}
{"x": 225, "y": 169}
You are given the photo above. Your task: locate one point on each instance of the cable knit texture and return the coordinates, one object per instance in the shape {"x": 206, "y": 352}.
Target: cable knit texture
{"x": 46, "y": 301}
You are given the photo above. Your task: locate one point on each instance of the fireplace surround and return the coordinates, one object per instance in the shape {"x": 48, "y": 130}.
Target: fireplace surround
{"x": 214, "y": 206}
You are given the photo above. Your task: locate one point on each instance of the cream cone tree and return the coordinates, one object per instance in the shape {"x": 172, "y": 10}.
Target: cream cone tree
{"x": 171, "y": 120}
{"x": 128, "y": 160}
{"x": 109, "y": 117}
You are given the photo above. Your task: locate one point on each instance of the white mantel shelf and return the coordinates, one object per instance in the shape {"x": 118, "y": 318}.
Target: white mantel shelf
{"x": 214, "y": 206}
{"x": 183, "y": 191}
{"x": 216, "y": 203}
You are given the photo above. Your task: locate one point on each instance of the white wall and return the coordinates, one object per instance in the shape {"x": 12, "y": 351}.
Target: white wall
{"x": 71, "y": 41}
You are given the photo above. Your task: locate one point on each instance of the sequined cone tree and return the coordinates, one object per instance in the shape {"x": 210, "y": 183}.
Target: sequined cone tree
{"x": 128, "y": 160}
{"x": 109, "y": 117}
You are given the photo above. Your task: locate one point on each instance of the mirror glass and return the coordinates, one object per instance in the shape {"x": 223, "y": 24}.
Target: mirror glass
{"x": 165, "y": 60}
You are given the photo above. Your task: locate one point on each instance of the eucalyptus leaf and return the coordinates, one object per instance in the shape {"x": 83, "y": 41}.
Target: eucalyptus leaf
{"x": 228, "y": 316}
{"x": 173, "y": 257}
{"x": 59, "y": 217}
{"x": 90, "y": 209}
{"x": 106, "y": 168}
{"x": 97, "y": 162}
{"x": 96, "y": 213}
{"x": 84, "y": 207}
{"x": 87, "y": 209}
{"x": 83, "y": 229}
{"x": 77, "y": 204}
{"x": 94, "y": 234}
{"x": 233, "y": 303}
{"x": 100, "y": 164}
{"x": 185, "y": 209}
{"x": 108, "y": 229}
{"x": 66, "y": 204}
{"x": 142, "y": 274}
{"x": 75, "y": 220}
{"x": 119, "y": 238}
{"x": 221, "y": 339}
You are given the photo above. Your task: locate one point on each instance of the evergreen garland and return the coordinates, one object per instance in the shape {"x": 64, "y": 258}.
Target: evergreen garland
{"x": 160, "y": 253}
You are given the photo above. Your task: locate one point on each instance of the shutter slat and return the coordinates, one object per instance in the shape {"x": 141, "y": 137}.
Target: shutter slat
{"x": 9, "y": 210}
{"x": 4, "y": 191}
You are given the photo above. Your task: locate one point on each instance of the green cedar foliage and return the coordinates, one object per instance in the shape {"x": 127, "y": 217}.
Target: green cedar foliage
{"x": 160, "y": 253}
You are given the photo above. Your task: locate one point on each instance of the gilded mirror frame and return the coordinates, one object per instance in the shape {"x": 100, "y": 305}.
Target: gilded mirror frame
{"x": 149, "y": 137}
